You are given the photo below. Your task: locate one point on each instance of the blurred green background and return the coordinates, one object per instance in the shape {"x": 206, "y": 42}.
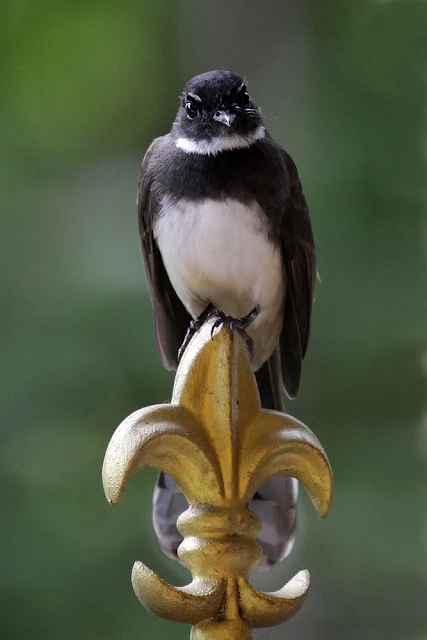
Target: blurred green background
{"x": 85, "y": 86}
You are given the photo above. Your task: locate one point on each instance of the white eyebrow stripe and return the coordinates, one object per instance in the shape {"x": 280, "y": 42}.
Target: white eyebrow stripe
{"x": 216, "y": 145}
{"x": 195, "y": 97}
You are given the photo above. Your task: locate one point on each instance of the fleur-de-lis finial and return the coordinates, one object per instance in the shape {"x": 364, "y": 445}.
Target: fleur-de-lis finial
{"x": 220, "y": 446}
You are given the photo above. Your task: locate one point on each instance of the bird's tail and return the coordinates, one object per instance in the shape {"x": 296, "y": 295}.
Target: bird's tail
{"x": 274, "y": 502}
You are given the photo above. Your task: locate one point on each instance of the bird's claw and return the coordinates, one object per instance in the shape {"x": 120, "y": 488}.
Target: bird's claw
{"x": 193, "y": 327}
{"x": 236, "y": 324}
{"x": 221, "y": 318}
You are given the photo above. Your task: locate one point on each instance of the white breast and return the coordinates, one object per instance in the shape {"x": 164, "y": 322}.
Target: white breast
{"x": 217, "y": 251}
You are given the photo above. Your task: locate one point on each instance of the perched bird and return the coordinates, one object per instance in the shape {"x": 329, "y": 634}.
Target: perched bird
{"x": 224, "y": 225}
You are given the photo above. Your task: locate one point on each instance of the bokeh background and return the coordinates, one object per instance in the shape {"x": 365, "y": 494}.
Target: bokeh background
{"x": 85, "y": 87}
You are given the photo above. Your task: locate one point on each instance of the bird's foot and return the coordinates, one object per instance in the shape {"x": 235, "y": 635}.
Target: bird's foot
{"x": 236, "y": 324}
{"x": 194, "y": 327}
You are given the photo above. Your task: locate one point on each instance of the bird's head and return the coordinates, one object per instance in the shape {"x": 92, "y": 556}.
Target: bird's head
{"x": 217, "y": 114}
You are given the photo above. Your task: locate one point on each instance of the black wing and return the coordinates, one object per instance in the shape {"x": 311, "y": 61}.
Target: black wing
{"x": 299, "y": 255}
{"x": 170, "y": 316}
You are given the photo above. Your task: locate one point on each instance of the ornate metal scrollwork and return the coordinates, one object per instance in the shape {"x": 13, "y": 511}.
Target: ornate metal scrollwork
{"x": 219, "y": 445}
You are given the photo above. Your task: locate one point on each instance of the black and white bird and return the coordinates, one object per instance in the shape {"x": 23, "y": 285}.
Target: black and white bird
{"x": 224, "y": 224}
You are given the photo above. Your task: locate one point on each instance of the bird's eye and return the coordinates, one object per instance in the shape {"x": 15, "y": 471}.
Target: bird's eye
{"x": 242, "y": 98}
{"x": 191, "y": 110}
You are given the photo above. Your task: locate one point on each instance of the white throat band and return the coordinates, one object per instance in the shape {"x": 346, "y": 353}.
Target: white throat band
{"x": 216, "y": 145}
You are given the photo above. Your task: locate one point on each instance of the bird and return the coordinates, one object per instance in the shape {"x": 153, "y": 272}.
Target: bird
{"x": 225, "y": 229}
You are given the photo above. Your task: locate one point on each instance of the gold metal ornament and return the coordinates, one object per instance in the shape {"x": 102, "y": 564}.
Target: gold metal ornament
{"x": 220, "y": 446}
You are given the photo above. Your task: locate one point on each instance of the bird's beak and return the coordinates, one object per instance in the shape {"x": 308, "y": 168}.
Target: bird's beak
{"x": 225, "y": 117}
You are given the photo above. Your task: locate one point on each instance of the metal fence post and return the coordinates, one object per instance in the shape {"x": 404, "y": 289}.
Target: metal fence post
{"x": 219, "y": 445}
